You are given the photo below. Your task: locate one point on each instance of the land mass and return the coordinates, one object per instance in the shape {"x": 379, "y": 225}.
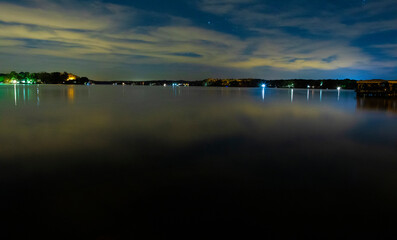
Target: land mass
{"x": 69, "y": 78}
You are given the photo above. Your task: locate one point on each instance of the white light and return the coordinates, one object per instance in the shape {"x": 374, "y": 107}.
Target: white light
{"x": 308, "y": 86}
{"x": 339, "y": 88}
{"x": 263, "y": 85}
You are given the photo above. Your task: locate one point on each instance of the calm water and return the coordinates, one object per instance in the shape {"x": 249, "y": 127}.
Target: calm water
{"x": 124, "y": 162}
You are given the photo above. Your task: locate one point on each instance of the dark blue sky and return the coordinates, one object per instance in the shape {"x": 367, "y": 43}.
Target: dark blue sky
{"x": 157, "y": 39}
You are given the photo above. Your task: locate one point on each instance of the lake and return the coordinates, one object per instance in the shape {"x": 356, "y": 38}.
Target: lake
{"x": 128, "y": 162}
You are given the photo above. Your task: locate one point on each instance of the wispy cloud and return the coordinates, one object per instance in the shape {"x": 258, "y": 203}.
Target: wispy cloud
{"x": 221, "y": 6}
{"x": 301, "y": 36}
{"x": 47, "y": 14}
{"x": 287, "y": 40}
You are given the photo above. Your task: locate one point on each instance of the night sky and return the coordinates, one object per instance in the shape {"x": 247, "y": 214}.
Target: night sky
{"x": 197, "y": 39}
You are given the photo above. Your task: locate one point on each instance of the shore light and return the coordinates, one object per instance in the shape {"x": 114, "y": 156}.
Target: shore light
{"x": 339, "y": 88}
{"x": 263, "y": 85}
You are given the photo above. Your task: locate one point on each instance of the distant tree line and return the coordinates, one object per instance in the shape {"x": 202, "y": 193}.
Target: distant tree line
{"x": 320, "y": 84}
{"x": 291, "y": 83}
{"x": 42, "y": 77}
{"x": 214, "y": 82}
{"x": 68, "y": 78}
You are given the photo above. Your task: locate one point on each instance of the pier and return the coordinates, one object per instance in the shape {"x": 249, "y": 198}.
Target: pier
{"x": 376, "y": 88}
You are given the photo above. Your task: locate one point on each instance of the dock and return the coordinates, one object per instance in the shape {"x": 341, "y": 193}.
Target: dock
{"x": 377, "y": 88}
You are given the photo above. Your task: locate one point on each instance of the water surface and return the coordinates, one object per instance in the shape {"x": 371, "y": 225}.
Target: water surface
{"x": 124, "y": 162}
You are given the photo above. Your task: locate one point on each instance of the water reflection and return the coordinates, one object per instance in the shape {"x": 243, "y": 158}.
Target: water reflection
{"x": 176, "y": 90}
{"x": 308, "y": 95}
{"x": 70, "y": 93}
{"x": 22, "y": 95}
{"x": 38, "y": 95}
{"x": 321, "y": 95}
{"x": 15, "y": 95}
{"x": 160, "y": 162}
{"x": 377, "y": 104}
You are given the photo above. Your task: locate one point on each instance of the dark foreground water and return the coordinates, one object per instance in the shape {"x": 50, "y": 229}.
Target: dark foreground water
{"x": 114, "y": 162}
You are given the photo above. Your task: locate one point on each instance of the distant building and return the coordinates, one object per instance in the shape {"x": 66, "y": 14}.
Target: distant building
{"x": 71, "y": 77}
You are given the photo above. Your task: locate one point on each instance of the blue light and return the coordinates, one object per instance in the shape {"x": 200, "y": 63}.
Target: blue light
{"x": 263, "y": 85}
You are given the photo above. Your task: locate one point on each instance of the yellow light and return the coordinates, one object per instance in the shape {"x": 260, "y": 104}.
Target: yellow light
{"x": 71, "y": 77}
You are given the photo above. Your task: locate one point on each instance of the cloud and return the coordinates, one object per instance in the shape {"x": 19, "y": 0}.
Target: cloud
{"x": 103, "y": 38}
{"x": 10, "y": 43}
{"x": 221, "y": 7}
{"x": 389, "y": 49}
{"x": 290, "y": 40}
{"x": 325, "y": 21}
{"x": 49, "y": 15}
{"x": 305, "y": 36}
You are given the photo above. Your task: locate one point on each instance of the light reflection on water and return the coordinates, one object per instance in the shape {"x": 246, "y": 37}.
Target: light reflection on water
{"x": 117, "y": 161}
{"x": 31, "y": 94}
